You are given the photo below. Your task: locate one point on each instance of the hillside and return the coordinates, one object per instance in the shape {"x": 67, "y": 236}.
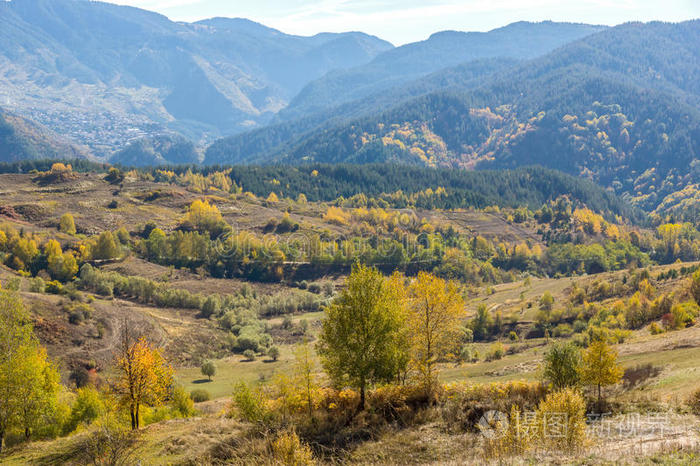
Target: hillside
{"x": 104, "y": 74}
{"x": 21, "y": 139}
{"x": 157, "y": 151}
{"x": 442, "y": 50}
{"x": 615, "y": 107}
{"x": 237, "y": 266}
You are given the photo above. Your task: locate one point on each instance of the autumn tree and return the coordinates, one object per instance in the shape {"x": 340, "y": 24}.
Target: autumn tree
{"x": 38, "y": 392}
{"x": 28, "y": 382}
{"x": 67, "y": 224}
{"x": 435, "y": 311}
{"x": 204, "y": 217}
{"x": 106, "y": 247}
{"x": 61, "y": 265}
{"x": 562, "y": 365}
{"x": 145, "y": 377}
{"x": 695, "y": 287}
{"x": 304, "y": 374}
{"x": 599, "y": 367}
{"x": 361, "y": 336}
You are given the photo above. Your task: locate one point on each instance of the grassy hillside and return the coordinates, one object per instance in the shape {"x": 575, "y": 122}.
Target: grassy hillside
{"x": 170, "y": 273}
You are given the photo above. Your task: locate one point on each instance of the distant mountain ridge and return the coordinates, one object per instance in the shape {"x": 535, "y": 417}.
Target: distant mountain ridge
{"x": 522, "y": 40}
{"x": 105, "y": 74}
{"x": 619, "y": 107}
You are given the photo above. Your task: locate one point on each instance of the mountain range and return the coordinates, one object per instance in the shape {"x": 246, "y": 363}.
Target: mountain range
{"x": 617, "y": 105}
{"x": 105, "y": 74}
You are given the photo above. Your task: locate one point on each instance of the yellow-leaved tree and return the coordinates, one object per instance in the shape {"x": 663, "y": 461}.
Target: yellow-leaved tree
{"x": 28, "y": 381}
{"x": 599, "y": 367}
{"x": 67, "y": 224}
{"x": 145, "y": 377}
{"x": 203, "y": 216}
{"x": 435, "y": 312}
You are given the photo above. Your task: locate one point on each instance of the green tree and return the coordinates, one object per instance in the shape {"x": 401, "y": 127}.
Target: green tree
{"x": 39, "y": 390}
{"x": 599, "y": 367}
{"x": 274, "y": 353}
{"x": 360, "y": 341}
{"x": 67, "y": 224}
{"x": 562, "y": 365}
{"x": 106, "y": 247}
{"x": 208, "y": 369}
{"x": 480, "y": 323}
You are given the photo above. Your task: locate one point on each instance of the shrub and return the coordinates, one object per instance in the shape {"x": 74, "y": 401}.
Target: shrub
{"x": 274, "y": 353}
{"x": 681, "y": 316}
{"x": 694, "y": 402}
{"x": 37, "y": 285}
{"x": 568, "y": 406}
{"x": 512, "y": 336}
{"x": 199, "y": 395}
{"x": 67, "y": 224}
{"x": 248, "y": 404}
{"x": 88, "y": 406}
{"x": 249, "y": 354}
{"x": 181, "y": 403}
{"x": 655, "y": 329}
{"x": 465, "y": 404}
{"x": 108, "y": 443}
{"x": 288, "y": 450}
{"x": 496, "y": 351}
{"x": 315, "y": 288}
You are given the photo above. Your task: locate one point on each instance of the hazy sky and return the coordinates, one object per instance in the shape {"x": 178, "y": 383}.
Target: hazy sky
{"x": 402, "y": 21}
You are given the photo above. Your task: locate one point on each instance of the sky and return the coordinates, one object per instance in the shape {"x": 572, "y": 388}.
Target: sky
{"x": 403, "y": 21}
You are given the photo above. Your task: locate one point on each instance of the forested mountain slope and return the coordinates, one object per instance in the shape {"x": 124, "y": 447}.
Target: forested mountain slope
{"x": 618, "y": 107}
{"x": 392, "y": 68}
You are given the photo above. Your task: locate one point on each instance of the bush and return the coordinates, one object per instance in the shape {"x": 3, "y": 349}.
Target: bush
{"x": 181, "y": 403}
{"x": 37, "y": 285}
{"x": 200, "y": 395}
{"x": 681, "y": 316}
{"x": 288, "y": 450}
{"x": 465, "y": 404}
{"x": 248, "y": 404}
{"x": 108, "y": 443}
{"x": 655, "y": 329}
{"x": 273, "y": 353}
{"x": 567, "y": 405}
{"x": 694, "y": 402}
{"x": 88, "y": 406}
{"x": 249, "y": 354}
{"x": 496, "y": 351}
